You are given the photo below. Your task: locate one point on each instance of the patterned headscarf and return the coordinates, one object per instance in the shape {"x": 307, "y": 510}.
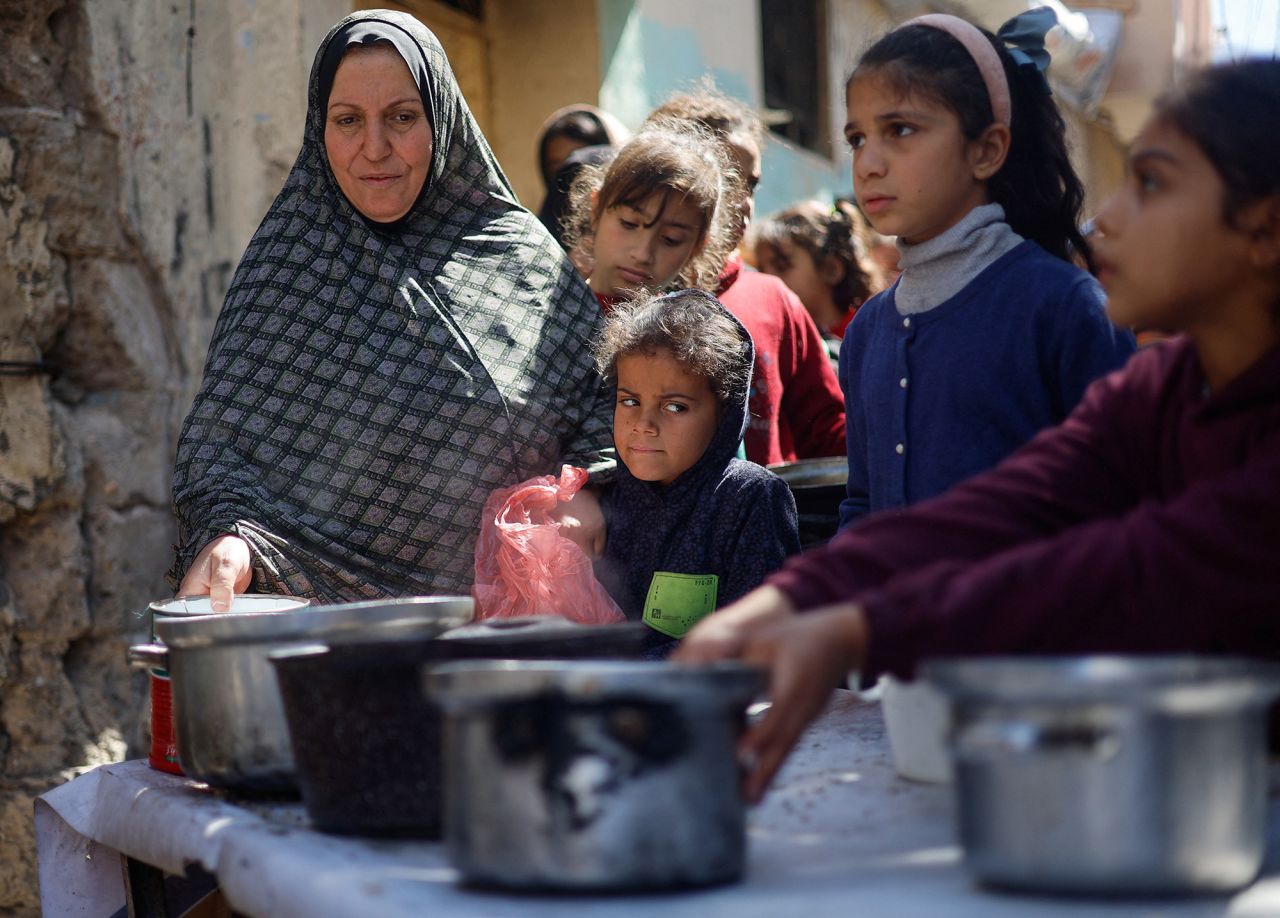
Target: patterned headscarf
{"x": 368, "y": 385}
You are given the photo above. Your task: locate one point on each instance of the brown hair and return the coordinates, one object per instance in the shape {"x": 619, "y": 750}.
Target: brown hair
{"x": 724, "y": 116}
{"x": 729, "y": 121}
{"x": 695, "y": 329}
{"x": 665, "y": 158}
{"x": 839, "y": 231}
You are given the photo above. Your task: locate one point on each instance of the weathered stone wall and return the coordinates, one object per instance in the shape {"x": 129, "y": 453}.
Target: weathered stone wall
{"x": 140, "y": 143}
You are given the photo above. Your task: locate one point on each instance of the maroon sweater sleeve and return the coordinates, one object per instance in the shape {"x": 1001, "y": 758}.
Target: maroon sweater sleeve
{"x": 1066, "y": 474}
{"x": 812, "y": 403}
{"x": 1057, "y": 550}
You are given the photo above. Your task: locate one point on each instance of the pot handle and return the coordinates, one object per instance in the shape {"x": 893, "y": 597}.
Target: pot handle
{"x": 985, "y": 739}
{"x": 149, "y": 656}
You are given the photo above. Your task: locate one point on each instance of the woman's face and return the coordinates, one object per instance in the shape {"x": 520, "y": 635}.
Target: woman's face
{"x": 377, "y": 134}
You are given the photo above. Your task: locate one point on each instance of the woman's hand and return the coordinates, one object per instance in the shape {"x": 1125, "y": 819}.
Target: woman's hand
{"x": 723, "y": 635}
{"x": 221, "y": 570}
{"x": 582, "y": 522}
{"x": 806, "y": 657}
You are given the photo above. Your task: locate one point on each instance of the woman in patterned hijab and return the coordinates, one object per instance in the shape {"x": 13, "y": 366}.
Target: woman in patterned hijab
{"x": 386, "y": 356}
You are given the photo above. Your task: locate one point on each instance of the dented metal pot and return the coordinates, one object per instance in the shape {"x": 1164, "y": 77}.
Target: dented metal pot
{"x": 593, "y": 775}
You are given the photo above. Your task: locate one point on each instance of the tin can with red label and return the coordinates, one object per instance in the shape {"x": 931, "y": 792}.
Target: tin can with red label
{"x": 164, "y": 747}
{"x": 164, "y": 742}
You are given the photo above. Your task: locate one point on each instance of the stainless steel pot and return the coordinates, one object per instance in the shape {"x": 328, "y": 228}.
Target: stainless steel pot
{"x": 593, "y": 775}
{"x": 229, "y": 720}
{"x": 164, "y": 748}
{"x": 1111, "y": 775}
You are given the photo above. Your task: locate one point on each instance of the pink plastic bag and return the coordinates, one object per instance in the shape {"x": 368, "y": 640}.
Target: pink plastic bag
{"x": 524, "y": 566}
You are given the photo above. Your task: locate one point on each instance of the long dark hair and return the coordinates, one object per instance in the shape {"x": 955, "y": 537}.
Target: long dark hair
{"x": 1039, "y": 190}
{"x": 1232, "y": 113}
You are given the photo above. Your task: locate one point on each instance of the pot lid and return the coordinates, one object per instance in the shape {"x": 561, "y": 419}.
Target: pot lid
{"x": 813, "y": 473}
{"x": 547, "y": 629}
{"x": 412, "y": 616}
{"x": 458, "y": 686}
{"x": 1183, "y": 682}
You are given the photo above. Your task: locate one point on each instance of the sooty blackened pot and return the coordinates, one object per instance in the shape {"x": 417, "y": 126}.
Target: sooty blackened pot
{"x": 366, "y": 741}
{"x": 594, "y": 776}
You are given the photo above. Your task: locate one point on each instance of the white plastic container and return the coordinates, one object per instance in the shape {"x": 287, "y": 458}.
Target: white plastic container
{"x": 917, "y": 717}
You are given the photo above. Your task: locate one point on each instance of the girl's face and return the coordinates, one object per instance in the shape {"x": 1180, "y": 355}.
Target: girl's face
{"x": 1164, "y": 252}
{"x": 644, "y": 246}
{"x": 746, "y": 157}
{"x": 914, "y": 173}
{"x": 377, "y": 135}
{"x": 665, "y": 416}
{"x": 796, "y": 268}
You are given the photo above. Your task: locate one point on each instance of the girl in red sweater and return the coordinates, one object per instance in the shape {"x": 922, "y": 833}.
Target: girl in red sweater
{"x": 1148, "y": 521}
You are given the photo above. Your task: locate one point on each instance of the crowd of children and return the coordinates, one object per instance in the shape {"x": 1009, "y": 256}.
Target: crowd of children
{"x": 1018, "y": 480}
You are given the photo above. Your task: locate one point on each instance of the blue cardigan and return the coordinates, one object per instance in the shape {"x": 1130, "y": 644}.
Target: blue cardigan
{"x": 934, "y": 398}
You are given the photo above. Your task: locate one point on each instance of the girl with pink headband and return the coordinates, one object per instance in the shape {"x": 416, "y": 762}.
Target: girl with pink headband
{"x": 991, "y": 333}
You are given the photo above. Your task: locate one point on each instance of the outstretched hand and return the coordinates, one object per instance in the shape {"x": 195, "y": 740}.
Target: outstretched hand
{"x": 221, "y": 570}
{"x": 806, "y": 656}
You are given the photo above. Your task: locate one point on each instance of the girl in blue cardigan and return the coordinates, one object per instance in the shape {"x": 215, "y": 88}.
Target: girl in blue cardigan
{"x": 991, "y": 333}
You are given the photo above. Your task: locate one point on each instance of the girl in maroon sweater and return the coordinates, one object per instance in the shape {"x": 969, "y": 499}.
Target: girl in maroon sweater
{"x": 1149, "y": 521}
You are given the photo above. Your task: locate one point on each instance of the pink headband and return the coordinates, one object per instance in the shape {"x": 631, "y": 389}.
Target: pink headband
{"x": 983, "y": 54}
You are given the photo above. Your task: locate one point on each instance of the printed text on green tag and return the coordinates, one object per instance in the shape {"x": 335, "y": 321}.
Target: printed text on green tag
{"x": 677, "y": 601}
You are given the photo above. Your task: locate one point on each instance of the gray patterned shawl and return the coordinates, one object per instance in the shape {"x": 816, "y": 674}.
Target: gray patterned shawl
{"x": 366, "y": 389}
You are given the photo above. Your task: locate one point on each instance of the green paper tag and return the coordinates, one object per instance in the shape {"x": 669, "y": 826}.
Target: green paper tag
{"x": 676, "y": 602}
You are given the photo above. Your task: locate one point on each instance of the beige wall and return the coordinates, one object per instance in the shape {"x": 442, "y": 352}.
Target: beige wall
{"x": 542, "y": 56}
{"x": 516, "y": 66}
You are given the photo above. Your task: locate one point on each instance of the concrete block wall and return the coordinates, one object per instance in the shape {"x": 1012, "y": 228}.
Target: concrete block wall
{"x": 140, "y": 143}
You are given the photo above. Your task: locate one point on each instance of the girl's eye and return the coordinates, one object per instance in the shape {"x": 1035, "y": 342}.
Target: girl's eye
{"x": 627, "y": 401}
{"x": 674, "y": 408}
{"x": 627, "y": 224}
{"x": 898, "y": 129}
{"x": 856, "y": 141}
{"x": 673, "y": 242}
{"x": 1147, "y": 182}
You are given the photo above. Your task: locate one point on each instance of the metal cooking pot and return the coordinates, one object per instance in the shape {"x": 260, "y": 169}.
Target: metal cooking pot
{"x": 164, "y": 748}
{"x": 1106, "y": 775}
{"x": 593, "y": 775}
{"x": 366, "y": 741}
{"x": 818, "y": 486}
{"x": 229, "y": 721}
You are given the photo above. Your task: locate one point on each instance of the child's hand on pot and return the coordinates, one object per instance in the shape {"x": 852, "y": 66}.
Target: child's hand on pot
{"x": 806, "y": 655}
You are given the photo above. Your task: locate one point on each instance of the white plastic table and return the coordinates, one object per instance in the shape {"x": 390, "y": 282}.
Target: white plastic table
{"x": 838, "y": 835}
